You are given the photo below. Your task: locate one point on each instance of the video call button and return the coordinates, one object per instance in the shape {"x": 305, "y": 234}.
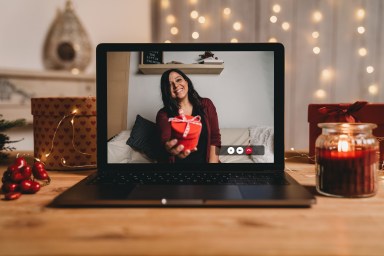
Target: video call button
{"x": 242, "y": 150}
{"x": 239, "y": 150}
{"x": 230, "y": 150}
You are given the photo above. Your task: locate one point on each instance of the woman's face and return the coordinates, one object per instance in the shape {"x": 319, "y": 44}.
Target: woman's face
{"x": 179, "y": 86}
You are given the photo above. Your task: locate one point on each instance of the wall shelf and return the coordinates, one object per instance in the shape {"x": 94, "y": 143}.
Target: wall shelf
{"x": 149, "y": 69}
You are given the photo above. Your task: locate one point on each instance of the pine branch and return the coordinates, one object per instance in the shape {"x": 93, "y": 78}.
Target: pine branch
{"x": 5, "y": 125}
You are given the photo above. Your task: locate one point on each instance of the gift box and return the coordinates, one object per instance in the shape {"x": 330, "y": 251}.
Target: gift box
{"x": 64, "y": 131}
{"x": 360, "y": 112}
{"x": 186, "y": 129}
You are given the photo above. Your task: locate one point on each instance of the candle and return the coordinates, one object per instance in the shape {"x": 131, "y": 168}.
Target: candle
{"x": 347, "y": 174}
{"x": 347, "y": 160}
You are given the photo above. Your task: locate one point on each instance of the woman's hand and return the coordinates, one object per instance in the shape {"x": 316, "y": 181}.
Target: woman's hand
{"x": 177, "y": 150}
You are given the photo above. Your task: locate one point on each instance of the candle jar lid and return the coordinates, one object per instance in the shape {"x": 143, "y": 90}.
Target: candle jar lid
{"x": 347, "y": 160}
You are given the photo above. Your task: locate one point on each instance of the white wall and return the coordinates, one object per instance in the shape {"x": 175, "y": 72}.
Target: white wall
{"x": 242, "y": 93}
{"x": 24, "y": 24}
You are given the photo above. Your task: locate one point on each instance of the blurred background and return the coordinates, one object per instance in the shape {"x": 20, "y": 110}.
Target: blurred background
{"x": 334, "y": 48}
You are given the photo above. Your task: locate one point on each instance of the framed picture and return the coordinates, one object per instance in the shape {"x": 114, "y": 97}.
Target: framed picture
{"x": 152, "y": 57}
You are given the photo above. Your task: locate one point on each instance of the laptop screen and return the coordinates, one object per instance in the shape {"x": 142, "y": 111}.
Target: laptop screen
{"x": 183, "y": 106}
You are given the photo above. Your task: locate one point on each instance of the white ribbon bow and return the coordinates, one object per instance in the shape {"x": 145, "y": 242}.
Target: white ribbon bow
{"x": 195, "y": 120}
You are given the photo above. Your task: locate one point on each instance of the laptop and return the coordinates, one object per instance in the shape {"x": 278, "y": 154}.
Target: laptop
{"x": 232, "y": 97}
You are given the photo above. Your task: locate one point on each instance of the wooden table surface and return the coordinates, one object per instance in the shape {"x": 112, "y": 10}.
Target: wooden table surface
{"x": 333, "y": 226}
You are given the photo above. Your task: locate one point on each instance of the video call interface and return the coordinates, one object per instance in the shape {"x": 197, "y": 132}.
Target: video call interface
{"x": 191, "y": 107}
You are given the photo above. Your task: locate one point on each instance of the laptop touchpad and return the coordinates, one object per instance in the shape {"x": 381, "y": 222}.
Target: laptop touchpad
{"x": 208, "y": 192}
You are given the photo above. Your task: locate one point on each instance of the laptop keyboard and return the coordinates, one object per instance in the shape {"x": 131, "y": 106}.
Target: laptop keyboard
{"x": 188, "y": 178}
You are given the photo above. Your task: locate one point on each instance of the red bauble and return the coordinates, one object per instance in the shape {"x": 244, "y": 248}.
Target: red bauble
{"x": 12, "y": 195}
{"x": 26, "y": 171}
{"x": 17, "y": 176}
{"x": 39, "y": 171}
{"x": 20, "y": 162}
{"x": 10, "y": 187}
{"x": 25, "y": 186}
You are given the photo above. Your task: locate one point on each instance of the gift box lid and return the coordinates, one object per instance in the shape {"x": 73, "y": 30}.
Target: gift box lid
{"x": 180, "y": 126}
{"x": 62, "y": 106}
{"x": 369, "y": 113}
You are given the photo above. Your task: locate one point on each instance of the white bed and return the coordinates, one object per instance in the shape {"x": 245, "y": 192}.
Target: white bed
{"x": 120, "y": 152}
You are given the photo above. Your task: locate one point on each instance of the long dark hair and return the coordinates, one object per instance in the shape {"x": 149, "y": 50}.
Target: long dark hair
{"x": 171, "y": 105}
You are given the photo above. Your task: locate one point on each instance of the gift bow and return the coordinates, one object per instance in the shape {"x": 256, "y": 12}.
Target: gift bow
{"x": 195, "y": 120}
{"x": 342, "y": 110}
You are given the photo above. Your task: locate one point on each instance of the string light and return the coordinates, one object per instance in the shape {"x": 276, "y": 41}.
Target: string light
{"x": 362, "y": 51}
{"x": 194, "y": 14}
{"x": 164, "y": 4}
{"x": 170, "y": 19}
{"x": 195, "y": 35}
{"x": 201, "y": 19}
{"x": 299, "y": 155}
{"x": 285, "y": 26}
{"x": 276, "y": 8}
{"x": 320, "y": 94}
{"x": 315, "y": 34}
{"x": 237, "y": 26}
{"x": 360, "y": 14}
{"x": 72, "y": 115}
{"x": 373, "y": 89}
{"x": 273, "y": 19}
{"x": 370, "y": 69}
{"x": 317, "y": 16}
{"x": 361, "y": 30}
{"x": 316, "y": 50}
{"x": 193, "y": 1}
{"x": 75, "y": 71}
{"x": 227, "y": 11}
{"x": 272, "y": 40}
{"x": 174, "y": 30}
{"x": 326, "y": 74}
{"x": 167, "y": 41}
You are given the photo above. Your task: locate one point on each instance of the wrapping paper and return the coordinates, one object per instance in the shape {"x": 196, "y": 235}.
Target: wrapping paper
{"x": 57, "y": 140}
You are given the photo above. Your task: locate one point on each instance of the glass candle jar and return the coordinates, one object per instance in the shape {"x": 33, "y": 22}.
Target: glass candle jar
{"x": 347, "y": 159}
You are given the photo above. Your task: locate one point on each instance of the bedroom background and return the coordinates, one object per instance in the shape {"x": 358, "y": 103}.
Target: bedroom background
{"x": 333, "y": 47}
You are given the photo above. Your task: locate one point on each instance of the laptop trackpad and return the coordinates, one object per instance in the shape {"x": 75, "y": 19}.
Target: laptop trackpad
{"x": 204, "y": 192}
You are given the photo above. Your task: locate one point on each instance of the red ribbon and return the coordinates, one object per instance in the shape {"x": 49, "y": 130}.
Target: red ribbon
{"x": 344, "y": 111}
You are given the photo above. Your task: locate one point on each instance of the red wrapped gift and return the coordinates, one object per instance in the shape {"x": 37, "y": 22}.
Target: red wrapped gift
{"x": 186, "y": 129}
{"x": 359, "y": 112}
{"x": 64, "y": 132}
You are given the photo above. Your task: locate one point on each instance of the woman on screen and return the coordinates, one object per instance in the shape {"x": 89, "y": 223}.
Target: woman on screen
{"x": 178, "y": 94}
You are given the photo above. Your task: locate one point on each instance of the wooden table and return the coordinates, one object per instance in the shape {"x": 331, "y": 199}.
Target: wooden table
{"x": 331, "y": 227}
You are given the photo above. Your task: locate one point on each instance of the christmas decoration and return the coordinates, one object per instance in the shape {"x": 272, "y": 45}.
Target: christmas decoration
{"x": 4, "y": 139}
{"x": 65, "y": 132}
{"x": 67, "y": 45}
{"x": 21, "y": 178}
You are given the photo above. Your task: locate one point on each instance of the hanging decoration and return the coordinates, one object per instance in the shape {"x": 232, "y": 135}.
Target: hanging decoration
{"x": 67, "y": 46}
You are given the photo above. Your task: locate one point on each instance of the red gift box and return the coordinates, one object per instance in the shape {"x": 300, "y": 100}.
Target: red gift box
{"x": 186, "y": 129}
{"x": 360, "y": 112}
{"x": 64, "y": 132}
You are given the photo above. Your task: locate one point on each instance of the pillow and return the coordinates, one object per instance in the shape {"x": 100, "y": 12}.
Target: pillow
{"x": 118, "y": 151}
{"x": 263, "y": 135}
{"x": 144, "y": 137}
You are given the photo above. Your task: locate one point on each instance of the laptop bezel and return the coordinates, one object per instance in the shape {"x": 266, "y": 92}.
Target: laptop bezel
{"x": 101, "y": 99}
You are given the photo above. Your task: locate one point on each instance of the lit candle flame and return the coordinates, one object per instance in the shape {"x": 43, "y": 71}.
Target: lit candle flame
{"x": 343, "y": 146}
